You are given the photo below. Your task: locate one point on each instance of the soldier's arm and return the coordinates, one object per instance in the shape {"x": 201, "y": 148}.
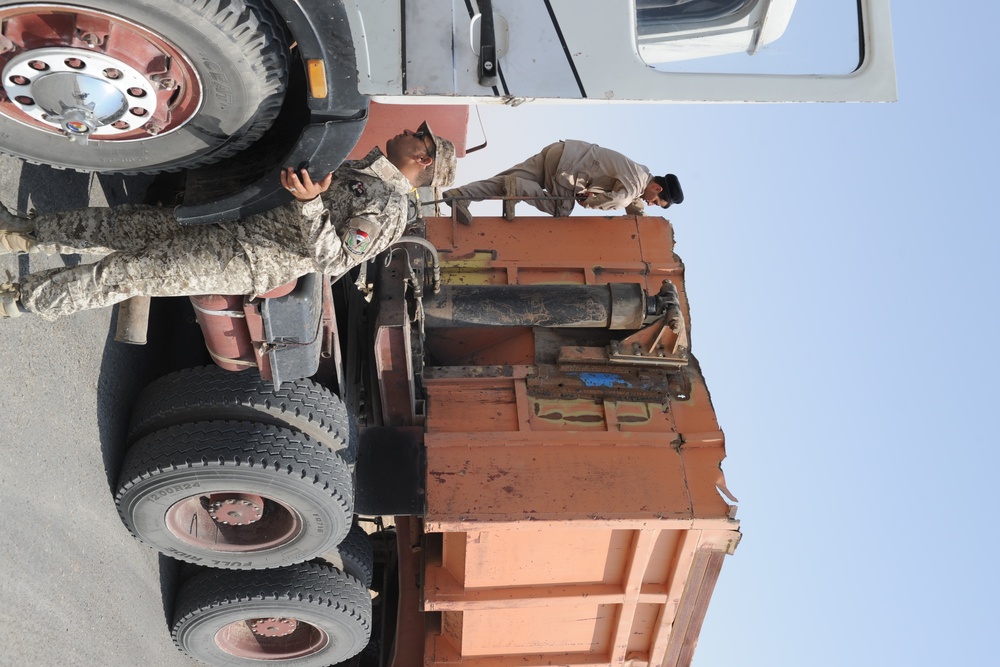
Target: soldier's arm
{"x": 312, "y": 208}
{"x": 337, "y": 251}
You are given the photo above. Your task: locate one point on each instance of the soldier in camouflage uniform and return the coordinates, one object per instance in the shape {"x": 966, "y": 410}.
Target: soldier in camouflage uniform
{"x": 335, "y": 224}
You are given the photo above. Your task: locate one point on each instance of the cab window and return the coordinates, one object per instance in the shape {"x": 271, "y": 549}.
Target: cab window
{"x": 661, "y": 16}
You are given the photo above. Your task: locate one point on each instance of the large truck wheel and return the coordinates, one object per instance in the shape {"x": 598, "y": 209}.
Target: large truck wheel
{"x": 209, "y": 392}
{"x": 235, "y": 495}
{"x": 303, "y": 616}
{"x": 134, "y": 86}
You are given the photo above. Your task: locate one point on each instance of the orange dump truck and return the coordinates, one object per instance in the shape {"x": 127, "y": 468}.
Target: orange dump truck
{"x": 501, "y": 453}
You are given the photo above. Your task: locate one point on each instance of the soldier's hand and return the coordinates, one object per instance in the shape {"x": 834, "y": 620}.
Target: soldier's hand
{"x": 302, "y": 186}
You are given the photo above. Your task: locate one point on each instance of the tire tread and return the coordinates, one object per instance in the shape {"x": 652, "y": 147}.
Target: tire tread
{"x": 311, "y": 584}
{"x": 259, "y": 32}
{"x": 229, "y": 444}
{"x": 208, "y": 393}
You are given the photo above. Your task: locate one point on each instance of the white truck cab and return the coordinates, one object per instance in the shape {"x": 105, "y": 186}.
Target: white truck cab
{"x": 512, "y": 51}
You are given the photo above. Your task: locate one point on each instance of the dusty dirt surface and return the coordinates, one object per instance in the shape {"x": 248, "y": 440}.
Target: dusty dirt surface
{"x": 75, "y": 588}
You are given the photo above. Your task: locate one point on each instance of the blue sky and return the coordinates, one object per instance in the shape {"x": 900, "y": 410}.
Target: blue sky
{"x": 842, "y": 270}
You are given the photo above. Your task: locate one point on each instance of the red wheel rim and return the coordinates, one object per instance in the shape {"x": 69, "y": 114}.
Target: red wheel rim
{"x": 232, "y": 522}
{"x": 159, "y": 87}
{"x": 271, "y": 639}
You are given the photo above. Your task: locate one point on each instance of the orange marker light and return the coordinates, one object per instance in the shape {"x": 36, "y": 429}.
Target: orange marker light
{"x": 317, "y": 78}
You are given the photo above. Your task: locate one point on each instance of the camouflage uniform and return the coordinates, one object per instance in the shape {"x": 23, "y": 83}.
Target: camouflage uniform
{"x": 148, "y": 253}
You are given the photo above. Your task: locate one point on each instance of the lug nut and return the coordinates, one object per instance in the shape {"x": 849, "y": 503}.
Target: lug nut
{"x": 90, "y": 39}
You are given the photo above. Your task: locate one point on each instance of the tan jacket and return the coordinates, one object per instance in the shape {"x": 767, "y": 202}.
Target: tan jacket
{"x": 612, "y": 180}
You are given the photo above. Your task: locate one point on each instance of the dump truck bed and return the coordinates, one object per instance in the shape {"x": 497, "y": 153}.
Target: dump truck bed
{"x": 573, "y": 505}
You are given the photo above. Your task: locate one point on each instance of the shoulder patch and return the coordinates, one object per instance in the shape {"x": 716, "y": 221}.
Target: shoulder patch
{"x": 357, "y": 188}
{"x": 358, "y": 235}
{"x": 358, "y": 241}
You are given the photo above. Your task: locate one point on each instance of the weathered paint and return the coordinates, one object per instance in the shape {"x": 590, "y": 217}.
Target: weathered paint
{"x": 577, "y": 510}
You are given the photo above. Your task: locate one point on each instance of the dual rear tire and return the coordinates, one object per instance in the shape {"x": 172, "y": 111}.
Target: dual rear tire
{"x": 227, "y": 472}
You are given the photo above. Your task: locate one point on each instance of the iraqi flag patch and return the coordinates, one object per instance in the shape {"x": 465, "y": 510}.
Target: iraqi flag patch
{"x": 358, "y": 241}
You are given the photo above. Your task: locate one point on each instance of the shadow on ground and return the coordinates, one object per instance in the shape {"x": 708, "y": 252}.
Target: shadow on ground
{"x": 174, "y": 339}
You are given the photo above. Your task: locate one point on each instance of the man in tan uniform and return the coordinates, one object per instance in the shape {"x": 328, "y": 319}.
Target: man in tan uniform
{"x": 570, "y": 172}
{"x": 336, "y": 223}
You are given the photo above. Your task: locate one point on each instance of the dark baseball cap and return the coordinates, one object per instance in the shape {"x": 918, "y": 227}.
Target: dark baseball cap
{"x": 672, "y": 192}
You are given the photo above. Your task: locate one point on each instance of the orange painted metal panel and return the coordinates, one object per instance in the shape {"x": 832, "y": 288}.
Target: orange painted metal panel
{"x": 536, "y": 556}
{"x": 561, "y": 414}
{"x": 503, "y": 593}
{"x": 475, "y": 409}
{"x": 579, "y": 526}
{"x": 482, "y": 347}
{"x": 557, "y": 244}
{"x": 530, "y": 630}
{"x": 556, "y": 483}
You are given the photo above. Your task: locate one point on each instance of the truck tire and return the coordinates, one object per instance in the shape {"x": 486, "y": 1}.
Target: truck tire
{"x": 209, "y": 392}
{"x": 219, "y": 70}
{"x": 354, "y": 556}
{"x": 303, "y": 616}
{"x": 235, "y": 495}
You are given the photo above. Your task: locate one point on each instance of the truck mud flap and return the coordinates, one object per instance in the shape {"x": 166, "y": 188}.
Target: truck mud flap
{"x": 389, "y": 476}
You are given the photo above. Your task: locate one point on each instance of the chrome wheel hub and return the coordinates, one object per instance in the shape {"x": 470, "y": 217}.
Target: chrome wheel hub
{"x": 82, "y": 93}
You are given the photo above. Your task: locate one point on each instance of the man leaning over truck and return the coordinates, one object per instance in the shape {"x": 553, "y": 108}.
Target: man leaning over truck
{"x": 346, "y": 218}
{"x": 570, "y": 172}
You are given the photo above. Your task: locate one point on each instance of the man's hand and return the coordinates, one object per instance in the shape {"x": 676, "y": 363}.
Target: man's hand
{"x": 302, "y": 186}
{"x": 635, "y": 208}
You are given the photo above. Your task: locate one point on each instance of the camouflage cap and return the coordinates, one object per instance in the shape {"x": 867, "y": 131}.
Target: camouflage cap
{"x": 444, "y": 159}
